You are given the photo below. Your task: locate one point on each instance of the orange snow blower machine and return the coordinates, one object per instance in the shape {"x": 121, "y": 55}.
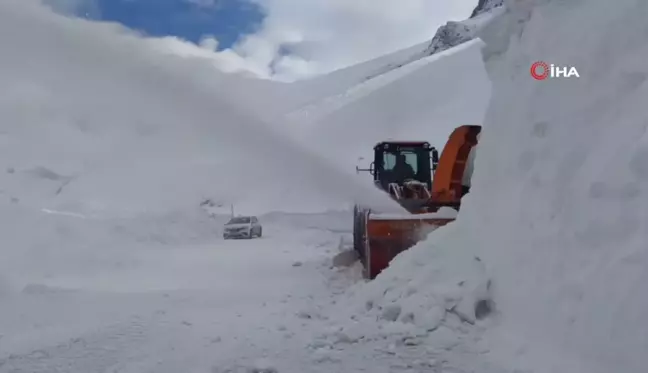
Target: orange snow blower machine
{"x": 427, "y": 186}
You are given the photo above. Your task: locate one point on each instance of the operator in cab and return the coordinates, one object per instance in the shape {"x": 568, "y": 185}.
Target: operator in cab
{"x": 402, "y": 170}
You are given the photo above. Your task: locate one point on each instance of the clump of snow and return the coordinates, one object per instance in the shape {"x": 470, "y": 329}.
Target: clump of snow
{"x": 345, "y": 258}
{"x": 262, "y": 366}
{"x": 429, "y": 280}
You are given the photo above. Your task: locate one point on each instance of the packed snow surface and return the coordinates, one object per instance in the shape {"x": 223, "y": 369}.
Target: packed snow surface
{"x": 152, "y": 305}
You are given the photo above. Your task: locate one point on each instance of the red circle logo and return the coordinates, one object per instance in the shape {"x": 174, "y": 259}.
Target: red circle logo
{"x": 539, "y": 70}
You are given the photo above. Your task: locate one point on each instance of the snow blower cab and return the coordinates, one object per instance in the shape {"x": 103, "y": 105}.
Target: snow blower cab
{"x": 427, "y": 186}
{"x": 404, "y": 169}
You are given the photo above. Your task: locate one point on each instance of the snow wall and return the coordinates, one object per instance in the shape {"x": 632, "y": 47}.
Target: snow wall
{"x": 558, "y": 215}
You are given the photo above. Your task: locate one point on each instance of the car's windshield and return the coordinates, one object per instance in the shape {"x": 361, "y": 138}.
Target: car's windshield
{"x": 239, "y": 220}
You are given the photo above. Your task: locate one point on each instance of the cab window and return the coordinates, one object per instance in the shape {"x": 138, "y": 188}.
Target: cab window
{"x": 389, "y": 160}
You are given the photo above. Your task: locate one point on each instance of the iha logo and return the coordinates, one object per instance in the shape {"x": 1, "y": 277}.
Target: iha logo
{"x": 540, "y": 70}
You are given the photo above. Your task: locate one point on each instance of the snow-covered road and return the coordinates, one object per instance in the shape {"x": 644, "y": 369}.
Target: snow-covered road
{"x": 173, "y": 309}
{"x": 271, "y": 304}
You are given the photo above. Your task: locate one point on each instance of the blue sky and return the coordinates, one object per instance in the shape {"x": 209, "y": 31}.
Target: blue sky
{"x": 293, "y": 38}
{"x": 227, "y": 20}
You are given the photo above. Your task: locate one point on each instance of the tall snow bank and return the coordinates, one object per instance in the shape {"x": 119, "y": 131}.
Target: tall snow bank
{"x": 111, "y": 124}
{"x": 561, "y": 189}
{"x": 558, "y": 207}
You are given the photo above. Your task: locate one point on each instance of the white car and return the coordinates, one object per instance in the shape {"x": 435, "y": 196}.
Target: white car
{"x": 242, "y": 227}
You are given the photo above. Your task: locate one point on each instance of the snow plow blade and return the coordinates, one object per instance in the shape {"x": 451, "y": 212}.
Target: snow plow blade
{"x": 389, "y": 235}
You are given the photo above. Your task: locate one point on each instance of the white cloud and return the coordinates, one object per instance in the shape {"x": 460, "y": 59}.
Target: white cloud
{"x": 304, "y": 37}
{"x": 228, "y": 60}
{"x": 299, "y": 38}
{"x": 330, "y": 34}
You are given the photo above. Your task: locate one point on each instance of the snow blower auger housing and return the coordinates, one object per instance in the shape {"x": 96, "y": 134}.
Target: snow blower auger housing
{"x": 427, "y": 186}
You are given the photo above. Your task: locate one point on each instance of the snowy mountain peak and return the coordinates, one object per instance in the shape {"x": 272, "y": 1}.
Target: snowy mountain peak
{"x": 486, "y": 6}
{"x": 447, "y": 36}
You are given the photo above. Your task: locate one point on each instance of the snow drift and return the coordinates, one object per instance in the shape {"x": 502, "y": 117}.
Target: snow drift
{"x": 553, "y": 231}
